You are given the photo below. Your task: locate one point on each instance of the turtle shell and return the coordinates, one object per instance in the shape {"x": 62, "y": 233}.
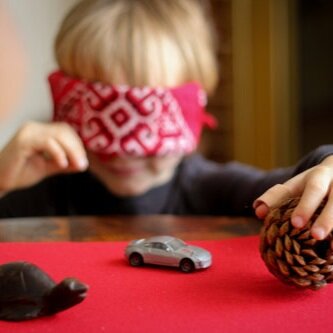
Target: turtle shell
{"x": 27, "y": 292}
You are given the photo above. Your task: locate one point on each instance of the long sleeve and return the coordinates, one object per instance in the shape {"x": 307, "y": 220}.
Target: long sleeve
{"x": 199, "y": 187}
{"x": 230, "y": 188}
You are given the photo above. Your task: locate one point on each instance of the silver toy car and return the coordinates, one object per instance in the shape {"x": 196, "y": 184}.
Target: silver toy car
{"x": 167, "y": 251}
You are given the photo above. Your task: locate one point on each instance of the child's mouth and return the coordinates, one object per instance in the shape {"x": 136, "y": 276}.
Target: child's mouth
{"x": 122, "y": 171}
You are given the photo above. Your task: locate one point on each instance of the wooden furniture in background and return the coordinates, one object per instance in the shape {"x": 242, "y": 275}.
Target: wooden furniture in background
{"x": 114, "y": 228}
{"x": 256, "y": 100}
{"x": 218, "y": 144}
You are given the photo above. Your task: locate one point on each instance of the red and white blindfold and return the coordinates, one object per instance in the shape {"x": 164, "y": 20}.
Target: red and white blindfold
{"x": 118, "y": 120}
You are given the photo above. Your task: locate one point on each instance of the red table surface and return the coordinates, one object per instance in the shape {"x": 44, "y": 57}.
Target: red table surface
{"x": 236, "y": 294}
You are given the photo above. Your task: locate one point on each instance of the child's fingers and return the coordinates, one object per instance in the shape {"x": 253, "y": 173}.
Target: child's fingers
{"x": 270, "y": 199}
{"x": 52, "y": 151}
{"x": 274, "y": 196}
{"x": 73, "y": 148}
{"x": 316, "y": 187}
{"x": 38, "y": 150}
{"x": 324, "y": 223}
{"x": 58, "y": 143}
{"x": 279, "y": 193}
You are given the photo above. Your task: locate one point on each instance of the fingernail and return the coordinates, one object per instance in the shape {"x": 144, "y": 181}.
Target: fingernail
{"x": 297, "y": 222}
{"x": 318, "y": 233}
{"x": 257, "y": 203}
{"x": 262, "y": 211}
{"x": 83, "y": 163}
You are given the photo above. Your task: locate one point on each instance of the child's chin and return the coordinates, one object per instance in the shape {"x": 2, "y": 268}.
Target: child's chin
{"x": 130, "y": 190}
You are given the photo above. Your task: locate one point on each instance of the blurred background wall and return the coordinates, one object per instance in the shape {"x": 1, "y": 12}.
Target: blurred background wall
{"x": 275, "y": 98}
{"x": 37, "y": 21}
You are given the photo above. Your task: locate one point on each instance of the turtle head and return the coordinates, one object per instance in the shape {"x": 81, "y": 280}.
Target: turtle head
{"x": 64, "y": 295}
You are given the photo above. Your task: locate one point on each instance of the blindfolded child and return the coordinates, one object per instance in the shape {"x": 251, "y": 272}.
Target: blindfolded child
{"x": 129, "y": 107}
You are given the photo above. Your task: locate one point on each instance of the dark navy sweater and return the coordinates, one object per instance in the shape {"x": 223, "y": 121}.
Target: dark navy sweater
{"x": 199, "y": 187}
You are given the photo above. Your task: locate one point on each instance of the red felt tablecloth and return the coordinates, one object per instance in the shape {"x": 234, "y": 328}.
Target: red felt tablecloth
{"x": 236, "y": 294}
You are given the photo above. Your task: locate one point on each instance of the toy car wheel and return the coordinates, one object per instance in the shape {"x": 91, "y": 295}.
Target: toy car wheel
{"x": 186, "y": 265}
{"x": 136, "y": 259}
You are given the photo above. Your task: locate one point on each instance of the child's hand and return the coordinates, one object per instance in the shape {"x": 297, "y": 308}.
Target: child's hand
{"x": 39, "y": 150}
{"x": 312, "y": 186}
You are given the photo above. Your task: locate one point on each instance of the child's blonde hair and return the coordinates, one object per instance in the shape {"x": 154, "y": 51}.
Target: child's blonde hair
{"x": 138, "y": 42}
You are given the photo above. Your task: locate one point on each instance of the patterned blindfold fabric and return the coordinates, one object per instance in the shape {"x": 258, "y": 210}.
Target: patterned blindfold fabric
{"x": 118, "y": 120}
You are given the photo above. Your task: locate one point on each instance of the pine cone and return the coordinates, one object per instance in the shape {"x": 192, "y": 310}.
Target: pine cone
{"x": 292, "y": 254}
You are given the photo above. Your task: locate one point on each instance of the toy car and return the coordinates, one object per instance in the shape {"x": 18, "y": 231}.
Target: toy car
{"x": 167, "y": 251}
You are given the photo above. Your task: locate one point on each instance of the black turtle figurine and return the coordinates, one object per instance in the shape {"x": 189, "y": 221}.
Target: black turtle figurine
{"x": 26, "y": 292}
